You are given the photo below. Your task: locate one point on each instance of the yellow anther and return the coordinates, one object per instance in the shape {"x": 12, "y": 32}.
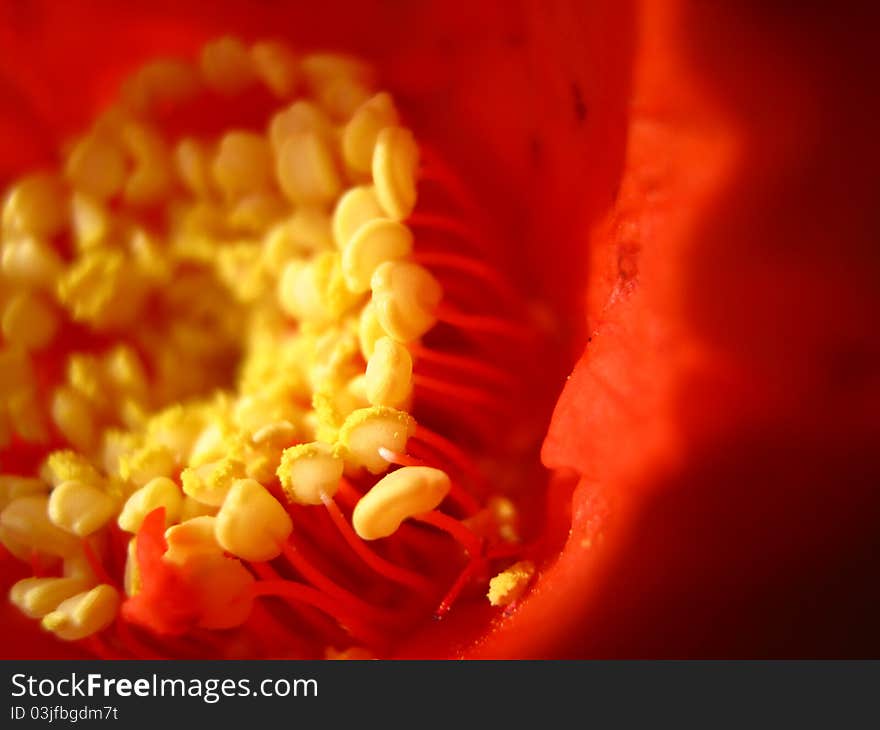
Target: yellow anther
{"x": 240, "y": 267}
{"x": 253, "y": 413}
{"x": 97, "y": 166}
{"x": 131, "y": 579}
{"x": 68, "y": 466}
{"x": 243, "y": 164}
{"x": 306, "y": 169}
{"x": 79, "y": 508}
{"x": 86, "y": 376}
{"x": 101, "y": 288}
{"x": 84, "y": 614}
{"x": 160, "y": 83}
{"x": 226, "y": 66}
{"x": 29, "y": 321}
{"x": 12, "y": 487}
{"x": 252, "y": 524}
{"x": 357, "y": 206}
{"x": 306, "y": 231}
{"x": 149, "y": 257}
{"x": 369, "y": 330}
{"x": 503, "y": 513}
{"x": 158, "y": 492}
{"x": 31, "y": 262}
{"x": 321, "y": 68}
{"x": 314, "y": 291}
{"x": 301, "y": 116}
{"x": 125, "y": 372}
{"x": 342, "y": 97}
{"x": 278, "y": 433}
{"x": 77, "y": 565}
{"x": 143, "y": 464}
{"x": 276, "y": 67}
{"x": 73, "y": 417}
{"x": 510, "y": 584}
{"x": 261, "y": 458}
{"x": 407, "y": 492}
{"x": 191, "y": 539}
{"x": 210, "y": 483}
{"x": 192, "y": 508}
{"x": 405, "y": 299}
{"x": 369, "y": 429}
{"x": 357, "y": 388}
{"x": 359, "y": 135}
{"x": 35, "y": 597}
{"x": 90, "y": 220}
{"x": 176, "y": 428}
{"x": 212, "y": 441}
{"x": 193, "y": 160}
{"x": 395, "y": 164}
{"x": 116, "y": 444}
{"x": 388, "y": 379}
{"x": 256, "y": 212}
{"x": 15, "y": 544}
{"x": 151, "y": 178}
{"x": 35, "y": 206}
{"x": 334, "y": 358}
{"x": 27, "y": 520}
{"x": 309, "y": 471}
{"x": 374, "y": 243}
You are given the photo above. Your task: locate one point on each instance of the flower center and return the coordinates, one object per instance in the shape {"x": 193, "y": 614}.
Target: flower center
{"x": 256, "y": 400}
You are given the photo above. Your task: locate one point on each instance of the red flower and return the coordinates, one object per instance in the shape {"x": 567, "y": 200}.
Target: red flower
{"x": 691, "y": 185}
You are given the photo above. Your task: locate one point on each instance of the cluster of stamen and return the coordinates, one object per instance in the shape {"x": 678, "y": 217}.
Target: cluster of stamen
{"x": 214, "y": 351}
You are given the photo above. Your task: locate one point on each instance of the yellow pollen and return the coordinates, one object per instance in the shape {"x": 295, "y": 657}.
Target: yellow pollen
{"x": 209, "y": 483}
{"x": 368, "y": 430}
{"x": 309, "y": 472}
{"x": 509, "y": 585}
{"x": 407, "y": 492}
